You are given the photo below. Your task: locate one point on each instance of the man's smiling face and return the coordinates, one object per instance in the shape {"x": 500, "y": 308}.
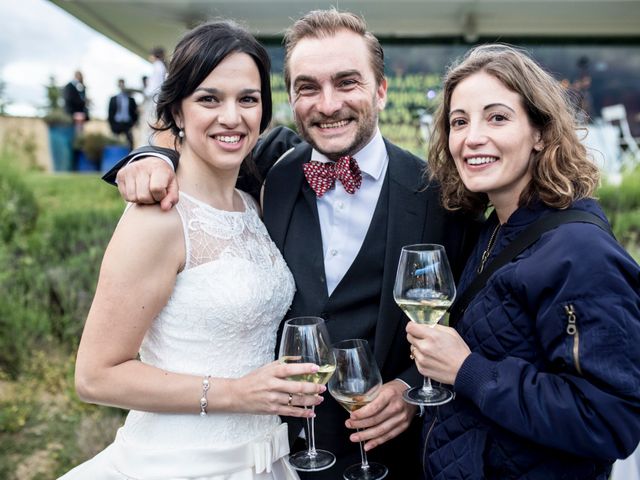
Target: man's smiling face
{"x": 334, "y": 94}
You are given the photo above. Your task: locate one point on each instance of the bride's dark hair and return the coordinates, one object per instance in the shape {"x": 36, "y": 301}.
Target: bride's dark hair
{"x": 194, "y": 58}
{"x": 199, "y": 52}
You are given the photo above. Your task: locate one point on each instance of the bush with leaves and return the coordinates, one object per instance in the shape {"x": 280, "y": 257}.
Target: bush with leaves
{"x": 93, "y": 143}
{"x": 49, "y": 262}
{"x": 18, "y": 207}
{"x": 622, "y": 204}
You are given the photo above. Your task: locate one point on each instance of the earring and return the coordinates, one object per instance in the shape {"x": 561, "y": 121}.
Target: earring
{"x": 539, "y": 143}
{"x": 181, "y": 133}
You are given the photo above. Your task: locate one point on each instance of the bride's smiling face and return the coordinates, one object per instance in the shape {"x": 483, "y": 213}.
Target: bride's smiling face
{"x": 221, "y": 118}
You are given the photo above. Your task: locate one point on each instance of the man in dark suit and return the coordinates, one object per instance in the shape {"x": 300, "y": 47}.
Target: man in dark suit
{"x": 75, "y": 101}
{"x": 123, "y": 113}
{"x": 342, "y": 238}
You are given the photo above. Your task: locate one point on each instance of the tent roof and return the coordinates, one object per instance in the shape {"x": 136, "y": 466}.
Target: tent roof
{"x": 139, "y": 25}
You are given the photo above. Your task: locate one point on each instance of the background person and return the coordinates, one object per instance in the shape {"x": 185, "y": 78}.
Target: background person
{"x": 544, "y": 360}
{"x": 76, "y": 103}
{"x": 343, "y": 244}
{"x": 123, "y": 113}
{"x": 198, "y": 292}
{"x": 151, "y": 89}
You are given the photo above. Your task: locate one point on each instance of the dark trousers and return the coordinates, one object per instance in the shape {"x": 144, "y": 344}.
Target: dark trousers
{"x": 123, "y": 128}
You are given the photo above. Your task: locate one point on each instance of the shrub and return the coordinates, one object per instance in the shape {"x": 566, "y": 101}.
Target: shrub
{"x": 93, "y": 143}
{"x": 24, "y": 328}
{"x": 54, "y": 114}
{"x": 18, "y": 207}
{"x": 49, "y": 284}
{"x": 623, "y": 197}
{"x": 49, "y": 262}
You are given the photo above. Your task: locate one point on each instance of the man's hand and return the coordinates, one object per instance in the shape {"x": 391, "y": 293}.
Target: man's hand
{"x": 384, "y": 418}
{"x": 149, "y": 180}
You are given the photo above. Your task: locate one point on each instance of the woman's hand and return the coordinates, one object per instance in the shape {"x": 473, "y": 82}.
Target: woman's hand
{"x": 439, "y": 351}
{"x": 268, "y": 390}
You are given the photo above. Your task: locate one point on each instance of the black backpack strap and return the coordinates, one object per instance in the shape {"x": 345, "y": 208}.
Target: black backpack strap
{"x": 528, "y": 237}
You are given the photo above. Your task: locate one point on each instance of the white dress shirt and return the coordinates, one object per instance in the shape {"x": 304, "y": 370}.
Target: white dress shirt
{"x": 344, "y": 217}
{"x": 122, "y": 108}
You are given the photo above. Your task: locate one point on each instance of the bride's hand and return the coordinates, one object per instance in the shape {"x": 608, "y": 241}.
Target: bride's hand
{"x": 268, "y": 390}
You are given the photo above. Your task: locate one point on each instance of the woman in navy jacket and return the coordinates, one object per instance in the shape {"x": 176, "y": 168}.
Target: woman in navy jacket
{"x": 545, "y": 361}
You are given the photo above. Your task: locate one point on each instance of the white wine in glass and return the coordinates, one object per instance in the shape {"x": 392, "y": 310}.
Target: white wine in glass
{"x": 355, "y": 383}
{"x": 320, "y": 377}
{"x": 424, "y": 290}
{"x": 306, "y": 340}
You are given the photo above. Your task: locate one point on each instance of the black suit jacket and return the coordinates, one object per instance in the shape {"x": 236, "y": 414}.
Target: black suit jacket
{"x": 414, "y": 216}
{"x": 113, "y": 109}
{"x": 74, "y": 100}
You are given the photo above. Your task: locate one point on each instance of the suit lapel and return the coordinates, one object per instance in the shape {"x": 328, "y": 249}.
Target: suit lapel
{"x": 407, "y": 217}
{"x": 291, "y": 217}
{"x": 281, "y": 188}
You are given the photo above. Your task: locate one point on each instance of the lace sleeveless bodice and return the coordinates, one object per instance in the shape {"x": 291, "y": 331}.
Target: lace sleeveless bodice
{"x": 221, "y": 320}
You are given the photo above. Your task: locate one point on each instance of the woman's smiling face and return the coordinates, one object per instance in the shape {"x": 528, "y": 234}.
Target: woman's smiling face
{"x": 221, "y": 118}
{"x": 491, "y": 138}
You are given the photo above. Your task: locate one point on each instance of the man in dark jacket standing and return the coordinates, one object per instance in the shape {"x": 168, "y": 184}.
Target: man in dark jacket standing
{"x": 123, "y": 113}
{"x": 75, "y": 101}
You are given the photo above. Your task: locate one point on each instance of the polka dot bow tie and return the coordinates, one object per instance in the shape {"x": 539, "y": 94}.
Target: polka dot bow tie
{"x": 322, "y": 176}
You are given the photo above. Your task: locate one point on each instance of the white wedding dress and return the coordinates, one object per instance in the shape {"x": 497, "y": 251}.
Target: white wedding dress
{"x": 221, "y": 320}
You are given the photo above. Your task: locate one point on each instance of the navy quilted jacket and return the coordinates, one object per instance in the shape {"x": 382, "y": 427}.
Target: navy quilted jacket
{"x": 551, "y": 389}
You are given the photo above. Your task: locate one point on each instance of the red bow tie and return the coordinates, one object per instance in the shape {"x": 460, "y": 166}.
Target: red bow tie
{"x": 322, "y": 176}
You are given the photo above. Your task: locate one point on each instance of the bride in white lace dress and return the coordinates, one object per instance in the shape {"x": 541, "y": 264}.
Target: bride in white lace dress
{"x": 197, "y": 292}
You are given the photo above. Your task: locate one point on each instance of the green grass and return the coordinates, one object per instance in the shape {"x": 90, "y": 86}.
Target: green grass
{"x": 73, "y": 192}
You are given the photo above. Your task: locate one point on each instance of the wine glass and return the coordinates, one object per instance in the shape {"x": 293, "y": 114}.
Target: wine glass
{"x": 355, "y": 383}
{"x": 306, "y": 340}
{"x": 424, "y": 290}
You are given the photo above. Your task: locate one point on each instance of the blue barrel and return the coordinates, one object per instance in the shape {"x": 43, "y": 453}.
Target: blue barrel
{"x": 83, "y": 164}
{"x": 112, "y": 154}
{"x": 61, "y": 145}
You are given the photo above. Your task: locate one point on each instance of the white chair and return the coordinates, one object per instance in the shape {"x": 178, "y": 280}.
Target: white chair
{"x": 602, "y": 142}
{"x": 617, "y": 115}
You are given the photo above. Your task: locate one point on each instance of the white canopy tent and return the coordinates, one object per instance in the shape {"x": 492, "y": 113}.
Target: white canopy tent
{"x": 139, "y": 25}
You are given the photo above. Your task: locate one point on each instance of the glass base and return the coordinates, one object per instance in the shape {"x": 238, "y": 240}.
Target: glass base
{"x": 306, "y": 462}
{"x": 375, "y": 471}
{"x": 428, "y": 397}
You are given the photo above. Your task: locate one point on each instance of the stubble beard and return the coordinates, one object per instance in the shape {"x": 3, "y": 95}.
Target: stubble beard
{"x": 367, "y": 125}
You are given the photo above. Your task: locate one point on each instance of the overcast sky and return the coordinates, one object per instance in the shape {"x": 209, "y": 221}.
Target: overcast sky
{"x": 38, "y": 39}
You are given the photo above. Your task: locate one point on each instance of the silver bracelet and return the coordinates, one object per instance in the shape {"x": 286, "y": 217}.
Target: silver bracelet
{"x": 203, "y": 399}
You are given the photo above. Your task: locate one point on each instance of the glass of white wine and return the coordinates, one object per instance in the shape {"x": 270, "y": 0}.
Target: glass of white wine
{"x": 355, "y": 383}
{"x": 306, "y": 340}
{"x": 424, "y": 290}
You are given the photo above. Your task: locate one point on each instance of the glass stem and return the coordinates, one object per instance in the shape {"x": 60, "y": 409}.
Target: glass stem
{"x": 312, "y": 437}
{"x": 426, "y": 384}
{"x": 363, "y": 455}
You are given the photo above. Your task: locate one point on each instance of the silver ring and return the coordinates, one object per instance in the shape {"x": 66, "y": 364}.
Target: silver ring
{"x": 290, "y": 399}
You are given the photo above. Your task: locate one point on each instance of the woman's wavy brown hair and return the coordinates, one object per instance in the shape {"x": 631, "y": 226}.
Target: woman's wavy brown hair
{"x": 560, "y": 173}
